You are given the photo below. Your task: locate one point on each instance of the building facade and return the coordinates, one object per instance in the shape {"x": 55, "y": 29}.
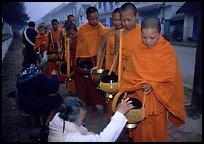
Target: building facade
{"x": 78, "y": 9}
{"x": 175, "y": 26}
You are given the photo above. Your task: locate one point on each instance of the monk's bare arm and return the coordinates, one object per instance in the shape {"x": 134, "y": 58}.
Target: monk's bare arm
{"x": 100, "y": 50}
{"x": 116, "y": 48}
{"x": 48, "y": 42}
{"x": 61, "y": 37}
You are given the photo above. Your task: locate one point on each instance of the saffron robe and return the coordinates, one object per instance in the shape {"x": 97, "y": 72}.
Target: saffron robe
{"x": 52, "y": 65}
{"x": 130, "y": 38}
{"x": 88, "y": 41}
{"x": 157, "y": 66}
{"x": 110, "y": 45}
{"x": 41, "y": 42}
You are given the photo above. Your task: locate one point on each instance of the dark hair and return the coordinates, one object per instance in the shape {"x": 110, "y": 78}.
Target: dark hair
{"x": 69, "y": 16}
{"x": 70, "y": 109}
{"x": 54, "y": 20}
{"x": 117, "y": 10}
{"x": 151, "y": 22}
{"x": 127, "y": 6}
{"x": 90, "y": 10}
{"x": 31, "y": 24}
{"x": 41, "y": 26}
{"x": 71, "y": 26}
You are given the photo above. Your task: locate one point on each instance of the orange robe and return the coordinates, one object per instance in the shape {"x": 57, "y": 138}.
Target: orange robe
{"x": 110, "y": 45}
{"x": 89, "y": 39}
{"x": 87, "y": 47}
{"x": 130, "y": 38}
{"x": 55, "y": 35}
{"x": 41, "y": 42}
{"x": 70, "y": 84}
{"x": 52, "y": 65}
{"x": 157, "y": 66}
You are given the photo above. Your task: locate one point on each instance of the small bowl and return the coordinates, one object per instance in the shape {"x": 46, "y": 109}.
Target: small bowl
{"x": 135, "y": 114}
{"x": 96, "y": 75}
{"x": 84, "y": 68}
{"x": 109, "y": 84}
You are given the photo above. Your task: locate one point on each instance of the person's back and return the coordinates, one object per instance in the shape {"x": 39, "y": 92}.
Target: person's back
{"x": 34, "y": 89}
{"x": 29, "y": 36}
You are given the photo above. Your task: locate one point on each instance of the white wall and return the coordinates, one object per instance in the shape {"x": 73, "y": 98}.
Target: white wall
{"x": 5, "y": 46}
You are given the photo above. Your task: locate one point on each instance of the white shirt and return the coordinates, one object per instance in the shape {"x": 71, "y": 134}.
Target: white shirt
{"x": 74, "y": 133}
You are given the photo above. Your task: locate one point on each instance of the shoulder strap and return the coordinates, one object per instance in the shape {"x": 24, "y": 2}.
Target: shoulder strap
{"x": 30, "y": 42}
{"x": 52, "y": 41}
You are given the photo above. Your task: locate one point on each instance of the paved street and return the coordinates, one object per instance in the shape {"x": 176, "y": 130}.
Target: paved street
{"x": 186, "y": 57}
{"x": 13, "y": 131}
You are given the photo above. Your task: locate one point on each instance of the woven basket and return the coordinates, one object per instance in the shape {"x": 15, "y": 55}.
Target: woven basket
{"x": 135, "y": 114}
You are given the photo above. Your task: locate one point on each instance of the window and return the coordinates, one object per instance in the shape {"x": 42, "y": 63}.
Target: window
{"x": 104, "y": 5}
{"x": 99, "y": 5}
{"x": 111, "y": 5}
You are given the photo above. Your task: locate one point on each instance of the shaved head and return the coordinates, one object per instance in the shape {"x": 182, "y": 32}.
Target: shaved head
{"x": 152, "y": 23}
{"x": 128, "y": 6}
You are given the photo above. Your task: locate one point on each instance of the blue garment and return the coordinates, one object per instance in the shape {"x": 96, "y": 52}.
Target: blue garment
{"x": 33, "y": 91}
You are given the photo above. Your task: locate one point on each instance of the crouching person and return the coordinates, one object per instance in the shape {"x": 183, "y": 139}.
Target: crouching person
{"x": 37, "y": 94}
{"x": 66, "y": 125}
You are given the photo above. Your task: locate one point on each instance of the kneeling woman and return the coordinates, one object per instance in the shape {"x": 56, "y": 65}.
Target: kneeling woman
{"x": 66, "y": 125}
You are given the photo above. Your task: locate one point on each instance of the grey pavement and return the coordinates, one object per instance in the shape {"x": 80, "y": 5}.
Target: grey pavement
{"x": 13, "y": 131}
{"x": 186, "y": 58}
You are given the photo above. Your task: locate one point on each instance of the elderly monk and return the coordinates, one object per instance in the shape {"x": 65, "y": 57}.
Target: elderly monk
{"x": 153, "y": 67}
{"x": 89, "y": 37}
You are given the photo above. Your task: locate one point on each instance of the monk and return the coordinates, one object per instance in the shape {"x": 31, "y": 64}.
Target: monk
{"x": 40, "y": 43}
{"x": 71, "y": 19}
{"x": 72, "y": 31}
{"x": 89, "y": 37}
{"x": 53, "y": 47}
{"x": 105, "y": 59}
{"x": 72, "y": 34}
{"x": 131, "y": 33}
{"x": 153, "y": 68}
{"x": 108, "y": 41}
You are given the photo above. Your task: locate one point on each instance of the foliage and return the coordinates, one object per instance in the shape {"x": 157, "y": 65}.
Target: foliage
{"x": 14, "y": 13}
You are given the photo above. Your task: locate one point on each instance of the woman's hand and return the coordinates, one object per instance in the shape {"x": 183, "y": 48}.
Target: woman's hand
{"x": 124, "y": 106}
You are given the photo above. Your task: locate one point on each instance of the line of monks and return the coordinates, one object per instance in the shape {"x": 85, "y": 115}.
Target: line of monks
{"x": 148, "y": 62}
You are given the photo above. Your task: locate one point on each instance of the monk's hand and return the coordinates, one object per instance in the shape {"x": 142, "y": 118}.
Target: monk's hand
{"x": 96, "y": 67}
{"x": 124, "y": 106}
{"x": 146, "y": 88}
